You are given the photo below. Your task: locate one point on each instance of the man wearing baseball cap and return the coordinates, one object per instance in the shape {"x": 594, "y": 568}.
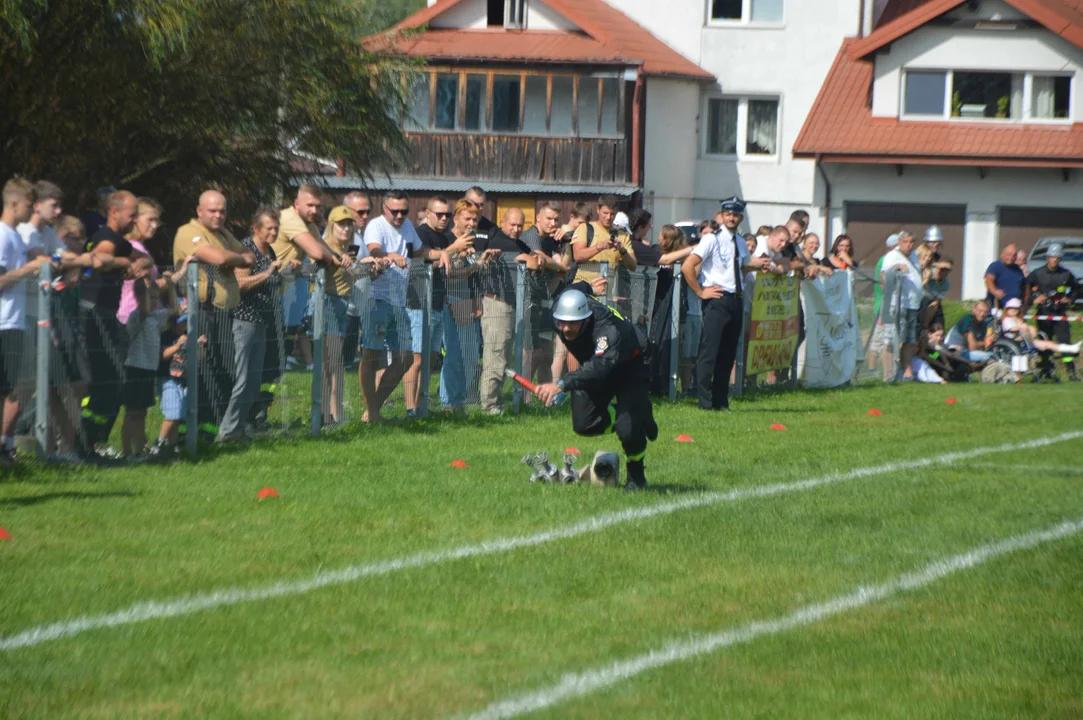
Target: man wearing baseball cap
{"x": 1054, "y": 289}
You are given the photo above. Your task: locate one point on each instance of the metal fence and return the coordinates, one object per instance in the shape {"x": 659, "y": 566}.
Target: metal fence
{"x": 335, "y": 346}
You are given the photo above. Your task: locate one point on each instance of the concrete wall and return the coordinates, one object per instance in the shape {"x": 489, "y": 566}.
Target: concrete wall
{"x": 1001, "y": 187}
{"x": 788, "y": 61}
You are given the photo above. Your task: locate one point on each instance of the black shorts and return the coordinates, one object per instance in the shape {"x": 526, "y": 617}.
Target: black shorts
{"x": 11, "y": 360}
{"x": 139, "y": 388}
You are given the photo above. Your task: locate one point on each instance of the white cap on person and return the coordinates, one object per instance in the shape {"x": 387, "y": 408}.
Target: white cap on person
{"x": 571, "y": 306}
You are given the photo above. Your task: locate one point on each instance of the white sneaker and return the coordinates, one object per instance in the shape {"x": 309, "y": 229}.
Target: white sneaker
{"x": 1072, "y": 349}
{"x": 496, "y": 411}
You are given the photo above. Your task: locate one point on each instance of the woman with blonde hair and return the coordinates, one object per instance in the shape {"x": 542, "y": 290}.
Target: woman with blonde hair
{"x": 148, "y": 220}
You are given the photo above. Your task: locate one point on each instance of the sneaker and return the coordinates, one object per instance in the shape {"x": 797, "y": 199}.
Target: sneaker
{"x": 309, "y": 367}
{"x": 161, "y": 451}
{"x": 411, "y": 413}
{"x": 138, "y": 458}
{"x": 110, "y": 453}
{"x": 237, "y": 438}
{"x": 290, "y": 362}
{"x": 7, "y": 457}
{"x": 495, "y": 411}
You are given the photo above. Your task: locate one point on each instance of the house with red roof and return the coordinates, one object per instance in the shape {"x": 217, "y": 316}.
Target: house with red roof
{"x": 961, "y": 113}
{"x": 533, "y": 100}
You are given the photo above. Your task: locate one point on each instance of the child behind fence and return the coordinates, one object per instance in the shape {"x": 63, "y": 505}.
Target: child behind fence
{"x": 145, "y": 326}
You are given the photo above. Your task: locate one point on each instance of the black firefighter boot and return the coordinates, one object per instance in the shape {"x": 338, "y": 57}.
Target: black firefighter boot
{"x": 1069, "y": 365}
{"x": 637, "y": 480}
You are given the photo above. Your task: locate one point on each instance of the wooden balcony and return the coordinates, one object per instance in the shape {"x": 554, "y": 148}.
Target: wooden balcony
{"x": 517, "y": 158}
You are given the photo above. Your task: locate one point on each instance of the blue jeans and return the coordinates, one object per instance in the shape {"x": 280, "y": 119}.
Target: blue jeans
{"x": 453, "y": 372}
{"x": 977, "y": 356}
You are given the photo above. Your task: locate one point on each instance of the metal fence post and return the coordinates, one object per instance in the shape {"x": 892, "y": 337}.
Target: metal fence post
{"x": 675, "y": 332}
{"x": 44, "y": 343}
{"x": 898, "y": 329}
{"x": 192, "y": 349}
{"x": 426, "y": 344}
{"x": 603, "y": 270}
{"x": 800, "y": 331}
{"x": 318, "y": 299}
{"x": 746, "y": 313}
{"x": 520, "y": 331}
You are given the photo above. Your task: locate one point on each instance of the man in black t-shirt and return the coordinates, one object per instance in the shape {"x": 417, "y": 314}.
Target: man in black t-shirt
{"x": 434, "y": 235}
{"x": 476, "y": 197}
{"x": 106, "y": 339}
{"x": 541, "y": 238}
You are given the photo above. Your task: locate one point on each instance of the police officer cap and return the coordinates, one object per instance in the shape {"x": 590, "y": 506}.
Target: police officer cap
{"x": 733, "y": 205}
{"x": 1055, "y": 250}
{"x": 571, "y": 306}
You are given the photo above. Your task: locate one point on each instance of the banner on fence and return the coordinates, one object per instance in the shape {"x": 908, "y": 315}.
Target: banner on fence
{"x": 772, "y": 334}
{"x": 831, "y": 330}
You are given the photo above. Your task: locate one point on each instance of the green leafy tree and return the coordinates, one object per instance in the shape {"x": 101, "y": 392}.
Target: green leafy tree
{"x": 168, "y": 97}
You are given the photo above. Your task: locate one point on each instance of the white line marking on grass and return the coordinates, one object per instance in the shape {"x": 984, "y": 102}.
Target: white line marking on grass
{"x": 574, "y": 685}
{"x": 186, "y": 605}
{"x": 1036, "y": 468}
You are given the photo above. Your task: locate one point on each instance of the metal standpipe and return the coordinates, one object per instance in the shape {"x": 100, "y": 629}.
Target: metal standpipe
{"x": 520, "y": 330}
{"x": 426, "y": 344}
{"x": 316, "y": 420}
{"x": 675, "y": 332}
{"x": 45, "y": 345}
{"x": 192, "y": 350}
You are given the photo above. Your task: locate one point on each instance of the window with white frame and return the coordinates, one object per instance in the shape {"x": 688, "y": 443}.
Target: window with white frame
{"x": 985, "y": 95}
{"x": 745, "y": 11}
{"x": 742, "y": 127}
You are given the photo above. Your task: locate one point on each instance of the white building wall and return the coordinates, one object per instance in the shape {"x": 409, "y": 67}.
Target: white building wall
{"x": 542, "y": 17}
{"x": 788, "y": 60}
{"x": 467, "y": 14}
{"x": 669, "y": 158}
{"x": 1001, "y": 187}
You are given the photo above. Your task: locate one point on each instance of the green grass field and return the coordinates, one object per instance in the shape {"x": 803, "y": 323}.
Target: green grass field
{"x": 446, "y": 635}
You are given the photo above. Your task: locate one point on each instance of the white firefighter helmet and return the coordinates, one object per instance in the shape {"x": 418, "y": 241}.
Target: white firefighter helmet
{"x": 571, "y": 306}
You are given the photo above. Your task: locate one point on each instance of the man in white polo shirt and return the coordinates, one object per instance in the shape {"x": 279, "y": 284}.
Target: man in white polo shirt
{"x": 719, "y": 261}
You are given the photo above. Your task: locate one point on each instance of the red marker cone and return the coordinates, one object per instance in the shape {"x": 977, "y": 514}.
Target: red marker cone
{"x": 460, "y": 465}
{"x": 950, "y": 401}
{"x": 571, "y": 451}
{"x": 778, "y": 426}
{"x": 684, "y": 438}
{"x": 874, "y": 412}
{"x": 266, "y": 493}
{"x": 4, "y": 534}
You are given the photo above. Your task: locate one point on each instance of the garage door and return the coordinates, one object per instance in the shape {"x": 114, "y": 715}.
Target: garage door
{"x": 869, "y": 224}
{"x": 1026, "y": 226}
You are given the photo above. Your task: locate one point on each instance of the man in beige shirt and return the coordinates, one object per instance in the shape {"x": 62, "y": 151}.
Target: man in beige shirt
{"x": 219, "y": 254}
{"x": 600, "y": 242}
{"x": 298, "y": 238}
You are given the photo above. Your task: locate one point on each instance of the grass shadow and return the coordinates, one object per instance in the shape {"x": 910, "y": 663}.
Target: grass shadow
{"x": 30, "y": 500}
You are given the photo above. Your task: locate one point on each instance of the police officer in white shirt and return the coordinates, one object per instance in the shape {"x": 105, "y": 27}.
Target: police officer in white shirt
{"x": 714, "y": 273}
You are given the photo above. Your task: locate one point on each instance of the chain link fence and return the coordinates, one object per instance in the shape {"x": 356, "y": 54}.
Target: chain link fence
{"x": 187, "y": 362}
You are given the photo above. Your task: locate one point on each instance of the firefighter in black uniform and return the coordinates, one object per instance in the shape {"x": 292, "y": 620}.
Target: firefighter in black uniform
{"x": 609, "y": 389}
{"x": 1054, "y": 289}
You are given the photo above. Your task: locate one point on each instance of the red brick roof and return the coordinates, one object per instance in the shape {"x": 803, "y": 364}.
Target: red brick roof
{"x": 840, "y": 128}
{"x": 606, "y": 36}
{"x": 1063, "y": 17}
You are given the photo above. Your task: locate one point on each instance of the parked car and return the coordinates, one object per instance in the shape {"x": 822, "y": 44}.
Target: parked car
{"x": 690, "y": 228}
{"x": 1072, "y": 260}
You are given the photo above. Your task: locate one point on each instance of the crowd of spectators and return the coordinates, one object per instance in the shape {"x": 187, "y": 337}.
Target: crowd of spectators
{"x": 120, "y": 326}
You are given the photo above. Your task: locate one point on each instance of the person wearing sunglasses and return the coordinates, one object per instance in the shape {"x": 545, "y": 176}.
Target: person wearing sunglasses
{"x": 386, "y": 325}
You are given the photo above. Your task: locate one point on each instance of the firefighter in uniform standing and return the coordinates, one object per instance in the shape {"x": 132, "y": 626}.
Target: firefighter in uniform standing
{"x": 609, "y": 389}
{"x": 1054, "y": 289}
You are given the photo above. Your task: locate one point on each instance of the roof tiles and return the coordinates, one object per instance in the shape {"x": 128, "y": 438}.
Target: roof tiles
{"x": 606, "y": 36}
